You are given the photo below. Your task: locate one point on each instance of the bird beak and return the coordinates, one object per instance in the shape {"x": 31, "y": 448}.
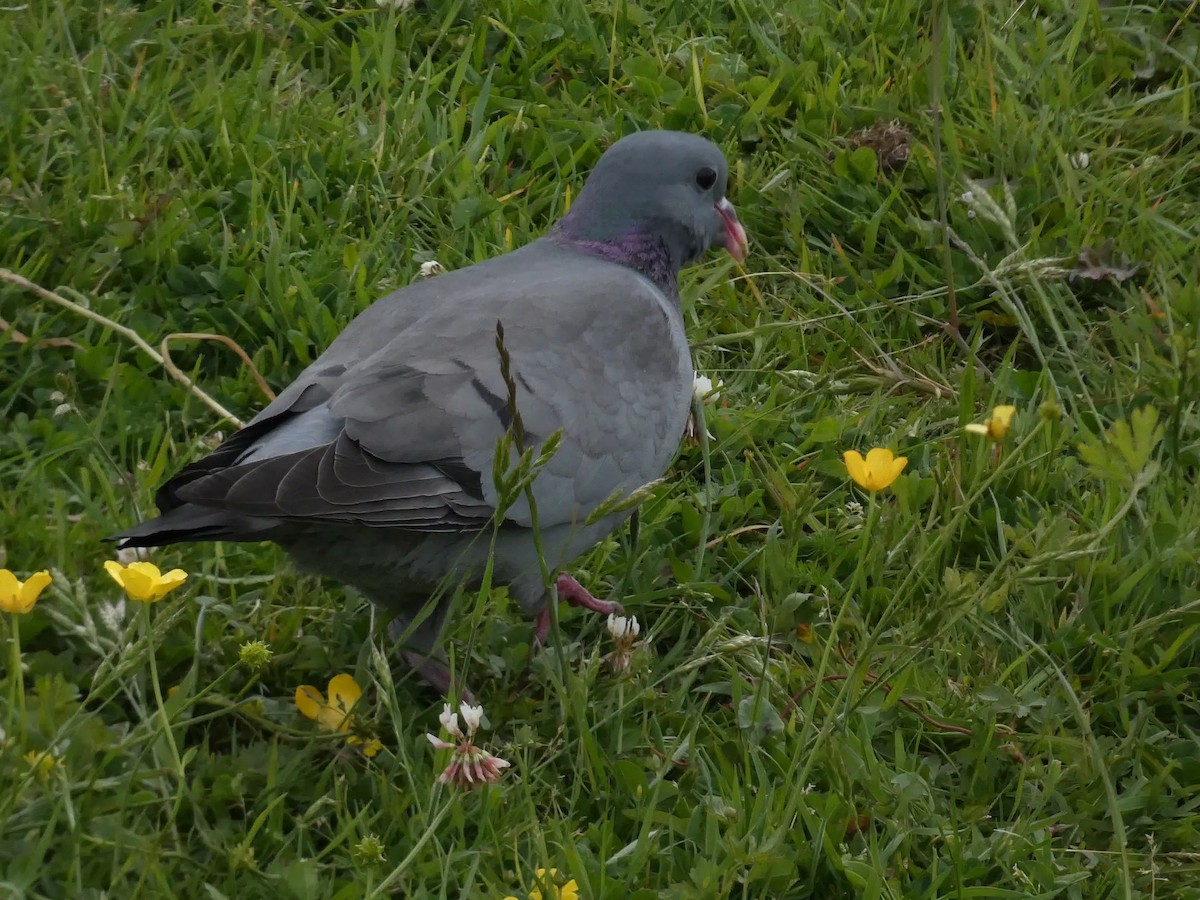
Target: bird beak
{"x": 735, "y": 234}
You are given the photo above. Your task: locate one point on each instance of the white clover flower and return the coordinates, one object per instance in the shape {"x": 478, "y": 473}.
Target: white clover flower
{"x": 705, "y": 389}
{"x": 1079, "y": 160}
{"x": 431, "y": 267}
{"x": 450, "y": 721}
{"x": 622, "y": 628}
{"x": 624, "y": 632}
{"x": 471, "y": 716}
{"x": 616, "y": 626}
{"x": 470, "y": 765}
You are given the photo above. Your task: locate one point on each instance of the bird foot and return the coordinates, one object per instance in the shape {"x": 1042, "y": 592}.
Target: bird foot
{"x": 437, "y": 675}
{"x": 574, "y": 594}
{"x": 577, "y": 595}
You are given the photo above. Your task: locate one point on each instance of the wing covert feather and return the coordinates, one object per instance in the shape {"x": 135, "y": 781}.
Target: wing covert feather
{"x": 596, "y": 351}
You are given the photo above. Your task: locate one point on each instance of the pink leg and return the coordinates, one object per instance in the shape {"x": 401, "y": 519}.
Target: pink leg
{"x": 575, "y": 594}
{"x": 543, "y": 627}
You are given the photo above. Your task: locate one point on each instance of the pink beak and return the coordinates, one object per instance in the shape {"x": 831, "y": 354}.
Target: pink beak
{"x": 735, "y": 234}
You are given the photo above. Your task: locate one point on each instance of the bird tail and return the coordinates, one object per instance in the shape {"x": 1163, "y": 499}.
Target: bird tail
{"x": 189, "y": 522}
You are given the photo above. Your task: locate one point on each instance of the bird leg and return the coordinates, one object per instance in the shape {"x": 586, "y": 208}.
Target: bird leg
{"x": 575, "y": 594}
{"x": 436, "y": 674}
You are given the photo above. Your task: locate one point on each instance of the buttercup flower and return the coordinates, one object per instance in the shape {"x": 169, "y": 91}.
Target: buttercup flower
{"x": 997, "y": 426}
{"x": 335, "y": 712}
{"x": 255, "y": 655}
{"x": 624, "y": 633}
{"x": 241, "y": 856}
{"x": 20, "y": 596}
{"x": 877, "y": 471}
{"x": 369, "y": 850}
{"x": 1050, "y": 411}
{"x": 142, "y": 581}
{"x": 44, "y": 764}
{"x": 547, "y": 879}
{"x": 470, "y": 766}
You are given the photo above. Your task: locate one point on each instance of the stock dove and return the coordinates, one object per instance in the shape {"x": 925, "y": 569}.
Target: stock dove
{"x": 375, "y": 466}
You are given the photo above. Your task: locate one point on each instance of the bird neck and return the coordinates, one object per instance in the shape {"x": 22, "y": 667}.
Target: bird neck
{"x": 641, "y": 251}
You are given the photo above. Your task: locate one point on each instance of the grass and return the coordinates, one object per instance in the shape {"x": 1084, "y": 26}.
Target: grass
{"x": 981, "y": 683}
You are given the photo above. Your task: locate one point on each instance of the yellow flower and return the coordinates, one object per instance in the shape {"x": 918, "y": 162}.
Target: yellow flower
{"x": 334, "y": 713}
{"x": 569, "y": 891}
{"x": 43, "y": 764}
{"x": 20, "y": 596}
{"x": 998, "y": 424}
{"x": 142, "y": 581}
{"x": 877, "y": 471}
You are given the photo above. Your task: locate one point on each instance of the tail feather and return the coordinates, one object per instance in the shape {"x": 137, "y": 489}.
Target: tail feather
{"x": 195, "y": 523}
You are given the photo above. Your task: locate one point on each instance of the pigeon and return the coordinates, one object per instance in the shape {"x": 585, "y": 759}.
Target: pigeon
{"x": 375, "y": 467}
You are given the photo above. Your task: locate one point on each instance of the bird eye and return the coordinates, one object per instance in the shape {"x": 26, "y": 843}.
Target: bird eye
{"x": 706, "y": 178}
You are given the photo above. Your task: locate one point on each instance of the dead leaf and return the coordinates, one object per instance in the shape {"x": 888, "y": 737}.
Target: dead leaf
{"x": 1098, "y": 264}
{"x": 858, "y": 825}
{"x": 19, "y": 337}
{"x": 54, "y": 343}
{"x": 889, "y": 140}
{"x": 1151, "y": 306}
{"x": 152, "y": 213}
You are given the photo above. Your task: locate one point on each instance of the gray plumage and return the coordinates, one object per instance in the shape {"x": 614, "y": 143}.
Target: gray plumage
{"x": 374, "y": 467}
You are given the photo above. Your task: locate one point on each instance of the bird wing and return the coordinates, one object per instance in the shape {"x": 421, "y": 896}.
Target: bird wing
{"x": 398, "y": 428}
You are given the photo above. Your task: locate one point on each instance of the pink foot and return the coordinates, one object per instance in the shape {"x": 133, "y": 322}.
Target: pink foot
{"x": 577, "y": 595}
{"x": 574, "y": 593}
